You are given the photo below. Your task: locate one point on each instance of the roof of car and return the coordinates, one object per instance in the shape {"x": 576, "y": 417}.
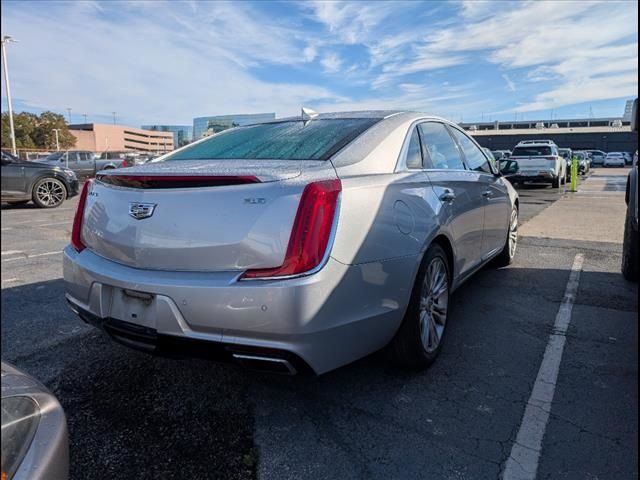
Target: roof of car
{"x": 372, "y": 114}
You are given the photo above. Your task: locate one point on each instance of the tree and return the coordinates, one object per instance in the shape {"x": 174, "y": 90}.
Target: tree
{"x": 44, "y": 136}
{"x": 33, "y": 131}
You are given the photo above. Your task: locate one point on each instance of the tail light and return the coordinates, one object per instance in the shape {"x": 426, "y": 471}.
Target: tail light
{"x": 310, "y": 233}
{"x": 124, "y": 163}
{"x": 76, "y": 232}
{"x": 551, "y": 158}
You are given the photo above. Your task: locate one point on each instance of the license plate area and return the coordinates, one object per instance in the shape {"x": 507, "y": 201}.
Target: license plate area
{"x": 134, "y": 306}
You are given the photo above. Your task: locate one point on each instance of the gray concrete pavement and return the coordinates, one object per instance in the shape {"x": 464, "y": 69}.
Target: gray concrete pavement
{"x": 148, "y": 417}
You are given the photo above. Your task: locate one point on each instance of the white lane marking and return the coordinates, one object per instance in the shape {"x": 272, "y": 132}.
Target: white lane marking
{"x": 522, "y": 464}
{"x": 6, "y": 228}
{"x": 11, "y": 280}
{"x": 68, "y": 222}
{"x": 28, "y": 257}
{"x": 10, "y": 252}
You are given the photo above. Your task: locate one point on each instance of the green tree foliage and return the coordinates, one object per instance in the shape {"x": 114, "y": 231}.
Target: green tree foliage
{"x": 36, "y": 131}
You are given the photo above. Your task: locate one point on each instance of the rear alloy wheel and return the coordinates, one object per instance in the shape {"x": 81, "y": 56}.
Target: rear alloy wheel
{"x": 49, "y": 193}
{"x": 420, "y": 336}
{"x": 508, "y": 253}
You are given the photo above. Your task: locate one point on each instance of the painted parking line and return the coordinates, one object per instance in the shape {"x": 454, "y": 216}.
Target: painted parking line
{"x": 522, "y": 464}
{"x": 10, "y": 252}
{"x": 29, "y": 257}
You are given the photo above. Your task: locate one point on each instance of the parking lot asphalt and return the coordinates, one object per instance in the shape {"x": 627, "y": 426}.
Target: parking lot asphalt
{"x": 145, "y": 417}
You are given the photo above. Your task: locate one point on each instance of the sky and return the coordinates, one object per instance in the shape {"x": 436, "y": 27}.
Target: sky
{"x": 156, "y": 62}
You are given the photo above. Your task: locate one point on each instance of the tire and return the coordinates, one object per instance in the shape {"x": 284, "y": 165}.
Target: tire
{"x": 415, "y": 346}
{"x": 556, "y": 182}
{"x": 49, "y": 192}
{"x": 18, "y": 202}
{"x": 630, "y": 250}
{"x": 508, "y": 253}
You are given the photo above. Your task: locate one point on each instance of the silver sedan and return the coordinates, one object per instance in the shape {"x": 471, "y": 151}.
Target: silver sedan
{"x": 296, "y": 245}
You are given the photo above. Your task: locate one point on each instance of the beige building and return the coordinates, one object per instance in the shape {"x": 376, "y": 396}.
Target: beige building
{"x": 101, "y": 137}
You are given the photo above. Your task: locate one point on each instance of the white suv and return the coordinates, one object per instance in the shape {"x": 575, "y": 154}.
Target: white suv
{"x": 614, "y": 159}
{"x": 539, "y": 161}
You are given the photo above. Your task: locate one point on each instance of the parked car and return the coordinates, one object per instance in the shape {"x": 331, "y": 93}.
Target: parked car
{"x": 630, "y": 239}
{"x": 537, "y": 142}
{"x": 597, "y": 157}
{"x": 85, "y": 164}
{"x": 628, "y": 159}
{"x": 567, "y": 154}
{"x": 501, "y": 154}
{"x": 540, "y": 163}
{"x": 584, "y": 162}
{"x": 35, "y": 441}
{"x": 331, "y": 237}
{"x": 46, "y": 185}
{"x": 614, "y": 159}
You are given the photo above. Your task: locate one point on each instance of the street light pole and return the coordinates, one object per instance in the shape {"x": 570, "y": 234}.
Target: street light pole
{"x": 7, "y": 39}
{"x": 114, "y": 117}
{"x": 69, "y": 111}
{"x": 57, "y": 142}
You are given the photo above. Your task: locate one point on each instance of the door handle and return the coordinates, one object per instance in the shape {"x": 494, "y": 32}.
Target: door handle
{"x": 447, "y": 195}
{"x": 487, "y": 194}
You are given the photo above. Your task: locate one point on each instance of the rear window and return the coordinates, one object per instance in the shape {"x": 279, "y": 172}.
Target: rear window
{"x": 531, "y": 151}
{"x": 290, "y": 140}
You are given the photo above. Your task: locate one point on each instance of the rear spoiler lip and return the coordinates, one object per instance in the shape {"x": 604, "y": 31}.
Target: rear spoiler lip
{"x": 175, "y": 181}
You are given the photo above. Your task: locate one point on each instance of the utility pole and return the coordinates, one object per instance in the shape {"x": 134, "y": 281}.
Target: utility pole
{"x": 114, "y": 117}
{"x": 56, "y": 130}
{"x": 69, "y": 112}
{"x": 85, "y": 117}
{"x": 7, "y": 39}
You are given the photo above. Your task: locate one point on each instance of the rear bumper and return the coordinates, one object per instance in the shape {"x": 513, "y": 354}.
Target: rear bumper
{"x": 539, "y": 176}
{"x": 324, "y": 320}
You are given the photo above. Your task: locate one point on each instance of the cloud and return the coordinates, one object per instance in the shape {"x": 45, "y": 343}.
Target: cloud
{"x": 331, "y": 63}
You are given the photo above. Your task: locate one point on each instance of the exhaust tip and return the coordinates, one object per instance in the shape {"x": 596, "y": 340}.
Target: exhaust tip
{"x": 266, "y": 364}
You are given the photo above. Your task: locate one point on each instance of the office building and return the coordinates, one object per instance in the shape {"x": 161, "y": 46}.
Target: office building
{"x": 205, "y": 126}
{"x": 99, "y": 137}
{"x": 182, "y": 134}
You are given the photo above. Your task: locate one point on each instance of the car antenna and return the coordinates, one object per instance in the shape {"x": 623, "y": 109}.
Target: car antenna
{"x": 307, "y": 115}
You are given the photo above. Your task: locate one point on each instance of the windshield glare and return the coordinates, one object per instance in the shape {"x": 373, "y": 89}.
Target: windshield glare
{"x": 289, "y": 140}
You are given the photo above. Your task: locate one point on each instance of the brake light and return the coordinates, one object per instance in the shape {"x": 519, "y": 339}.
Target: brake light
{"x": 124, "y": 163}
{"x": 310, "y": 233}
{"x": 76, "y": 238}
{"x": 551, "y": 158}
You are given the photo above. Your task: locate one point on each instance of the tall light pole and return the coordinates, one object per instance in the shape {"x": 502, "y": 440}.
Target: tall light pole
{"x": 85, "y": 117}
{"x": 56, "y": 130}
{"x": 7, "y": 39}
{"x": 114, "y": 117}
{"x": 69, "y": 112}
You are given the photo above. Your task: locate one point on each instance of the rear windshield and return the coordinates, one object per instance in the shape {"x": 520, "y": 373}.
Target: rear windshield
{"x": 289, "y": 140}
{"x": 531, "y": 151}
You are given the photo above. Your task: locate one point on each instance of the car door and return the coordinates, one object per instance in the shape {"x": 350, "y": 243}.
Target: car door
{"x": 86, "y": 165}
{"x": 493, "y": 194}
{"x": 13, "y": 179}
{"x": 458, "y": 190}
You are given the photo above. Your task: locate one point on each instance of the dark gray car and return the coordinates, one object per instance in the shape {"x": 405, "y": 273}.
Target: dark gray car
{"x": 46, "y": 185}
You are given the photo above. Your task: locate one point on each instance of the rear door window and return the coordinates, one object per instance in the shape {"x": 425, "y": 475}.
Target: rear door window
{"x": 440, "y": 151}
